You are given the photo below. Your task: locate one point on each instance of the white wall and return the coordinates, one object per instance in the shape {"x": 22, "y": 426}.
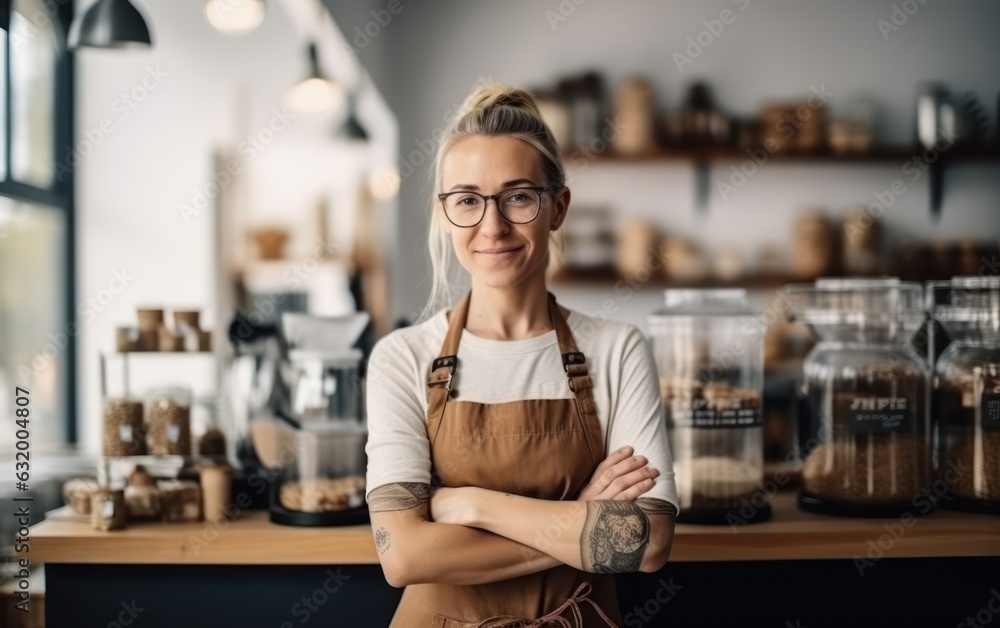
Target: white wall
{"x": 434, "y": 52}
{"x": 133, "y": 184}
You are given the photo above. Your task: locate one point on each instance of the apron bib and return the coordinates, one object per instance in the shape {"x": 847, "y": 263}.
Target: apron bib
{"x": 540, "y": 448}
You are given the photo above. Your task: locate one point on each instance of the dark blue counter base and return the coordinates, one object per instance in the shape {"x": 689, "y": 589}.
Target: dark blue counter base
{"x": 780, "y": 594}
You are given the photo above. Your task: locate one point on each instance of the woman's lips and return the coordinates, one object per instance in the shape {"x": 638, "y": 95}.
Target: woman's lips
{"x": 500, "y": 252}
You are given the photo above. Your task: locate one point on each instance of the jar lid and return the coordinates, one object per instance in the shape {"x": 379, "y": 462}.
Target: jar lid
{"x": 705, "y": 302}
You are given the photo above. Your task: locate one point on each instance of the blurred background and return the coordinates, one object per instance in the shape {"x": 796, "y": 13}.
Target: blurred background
{"x": 270, "y": 157}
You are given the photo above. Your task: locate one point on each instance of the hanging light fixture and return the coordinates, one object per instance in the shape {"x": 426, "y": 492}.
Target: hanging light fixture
{"x": 109, "y": 24}
{"x": 235, "y": 18}
{"x": 317, "y": 93}
{"x": 351, "y": 129}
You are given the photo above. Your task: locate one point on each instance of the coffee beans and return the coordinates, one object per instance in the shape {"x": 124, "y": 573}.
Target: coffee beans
{"x": 124, "y": 432}
{"x": 322, "y": 494}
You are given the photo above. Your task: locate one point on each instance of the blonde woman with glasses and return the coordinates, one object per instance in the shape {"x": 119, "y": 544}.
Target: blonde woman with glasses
{"x": 517, "y": 455}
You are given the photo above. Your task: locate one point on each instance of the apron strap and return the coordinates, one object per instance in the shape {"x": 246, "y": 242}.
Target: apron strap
{"x": 582, "y": 594}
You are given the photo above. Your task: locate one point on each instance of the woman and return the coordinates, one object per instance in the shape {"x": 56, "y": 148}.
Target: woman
{"x": 493, "y": 497}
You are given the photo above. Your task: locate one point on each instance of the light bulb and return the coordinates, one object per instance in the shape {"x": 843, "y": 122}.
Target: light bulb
{"x": 235, "y": 17}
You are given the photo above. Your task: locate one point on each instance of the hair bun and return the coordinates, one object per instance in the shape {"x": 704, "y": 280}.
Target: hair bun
{"x": 489, "y": 94}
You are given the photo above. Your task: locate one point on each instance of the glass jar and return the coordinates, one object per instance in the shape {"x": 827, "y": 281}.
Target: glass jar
{"x": 966, "y": 405}
{"x": 865, "y": 387}
{"x": 169, "y": 422}
{"x": 711, "y": 378}
{"x": 124, "y": 430}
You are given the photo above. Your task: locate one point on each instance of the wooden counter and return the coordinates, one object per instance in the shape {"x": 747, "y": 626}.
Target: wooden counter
{"x": 252, "y": 539}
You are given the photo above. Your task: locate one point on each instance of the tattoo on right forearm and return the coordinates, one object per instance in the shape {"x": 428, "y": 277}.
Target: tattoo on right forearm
{"x": 398, "y": 496}
{"x": 614, "y": 538}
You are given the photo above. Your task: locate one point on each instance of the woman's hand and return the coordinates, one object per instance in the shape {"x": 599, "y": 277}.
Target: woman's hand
{"x": 451, "y": 505}
{"x": 620, "y": 476}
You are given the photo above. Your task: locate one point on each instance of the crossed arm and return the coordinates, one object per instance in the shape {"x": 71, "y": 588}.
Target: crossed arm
{"x": 474, "y": 539}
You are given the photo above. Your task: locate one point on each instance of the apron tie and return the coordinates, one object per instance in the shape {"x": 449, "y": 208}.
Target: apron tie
{"x": 555, "y": 617}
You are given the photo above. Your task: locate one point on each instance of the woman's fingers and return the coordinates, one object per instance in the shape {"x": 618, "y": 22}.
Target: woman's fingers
{"x": 644, "y": 479}
{"x": 605, "y": 472}
{"x": 621, "y": 469}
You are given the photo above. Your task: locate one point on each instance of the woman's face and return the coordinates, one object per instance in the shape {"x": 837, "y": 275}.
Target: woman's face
{"x": 495, "y": 252}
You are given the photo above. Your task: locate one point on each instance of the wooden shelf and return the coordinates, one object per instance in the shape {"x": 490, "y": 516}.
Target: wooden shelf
{"x": 882, "y": 154}
{"x": 607, "y": 276}
{"x": 253, "y": 540}
{"x": 703, "y": 158}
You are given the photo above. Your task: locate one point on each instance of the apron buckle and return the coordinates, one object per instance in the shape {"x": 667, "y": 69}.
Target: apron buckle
{"x": 446, "y": 361}
{"x": 572, "y": 357}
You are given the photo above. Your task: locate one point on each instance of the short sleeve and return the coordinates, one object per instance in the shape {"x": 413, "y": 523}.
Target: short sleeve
{"x": 637, "y": 416}
{"x": 397, "y": 447}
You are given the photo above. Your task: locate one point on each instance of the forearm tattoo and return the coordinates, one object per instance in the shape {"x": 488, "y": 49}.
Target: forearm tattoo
{"x": 398, "y": 496}
{"x": 382, "y": 540}
{"x": 615, "y": 536}
{"x": 653, "y": 506}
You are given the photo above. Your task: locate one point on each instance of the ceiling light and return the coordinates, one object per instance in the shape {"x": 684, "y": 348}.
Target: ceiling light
{"x": 235, "y": 17}
{"x": 109, "y": 24}
{"x": 316, "y": 93}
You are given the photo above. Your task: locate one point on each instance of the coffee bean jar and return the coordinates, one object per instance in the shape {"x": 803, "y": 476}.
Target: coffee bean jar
{"x": 966, "y": 401}
{"x": 711, "y": 379}
{"x": 169, "y": 422}
{"x": 865, "y": 431}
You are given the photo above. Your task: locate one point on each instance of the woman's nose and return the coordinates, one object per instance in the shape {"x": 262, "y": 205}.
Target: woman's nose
{"x": 493, "y": 222}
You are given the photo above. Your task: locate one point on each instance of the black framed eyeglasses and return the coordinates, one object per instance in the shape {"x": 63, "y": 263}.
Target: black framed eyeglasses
{"x": 517, "y": 205}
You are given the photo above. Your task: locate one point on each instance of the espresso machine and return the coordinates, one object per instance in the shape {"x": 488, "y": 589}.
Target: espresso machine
{"x": 322, "y": 428}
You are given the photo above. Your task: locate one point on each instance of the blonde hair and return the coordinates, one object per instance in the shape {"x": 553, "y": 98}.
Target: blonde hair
{"x": 492, "y": 109}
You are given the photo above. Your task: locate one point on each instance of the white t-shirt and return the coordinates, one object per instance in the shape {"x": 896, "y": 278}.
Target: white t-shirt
{"x": 619, "y": 361}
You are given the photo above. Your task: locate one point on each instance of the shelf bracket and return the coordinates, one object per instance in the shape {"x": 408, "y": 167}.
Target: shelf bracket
{"x": 702, "y": 184}
{"x": 936, "y": 187}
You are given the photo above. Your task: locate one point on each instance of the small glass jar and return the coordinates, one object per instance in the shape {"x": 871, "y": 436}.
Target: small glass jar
{"x": 124, "y": 430}
{"x": 169, "y": 418}
{"x": 966, "y": 404}
{"x": 107, "y": 508}
{"x": 711, "y": 378}
{"x": 865, "y": 388}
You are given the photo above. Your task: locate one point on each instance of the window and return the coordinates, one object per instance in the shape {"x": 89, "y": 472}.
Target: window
{"x": 37, "y": 334}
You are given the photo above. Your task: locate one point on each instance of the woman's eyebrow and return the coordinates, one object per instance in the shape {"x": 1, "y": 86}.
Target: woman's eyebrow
{"x": 508, "y": 184}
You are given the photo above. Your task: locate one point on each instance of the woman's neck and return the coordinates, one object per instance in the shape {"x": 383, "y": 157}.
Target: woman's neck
{"x": 511, "y": 313}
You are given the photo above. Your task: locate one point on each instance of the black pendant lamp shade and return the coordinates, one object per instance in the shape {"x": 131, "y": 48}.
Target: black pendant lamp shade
{"x": 352, "y": 129}
{"x": 109, "y": 24}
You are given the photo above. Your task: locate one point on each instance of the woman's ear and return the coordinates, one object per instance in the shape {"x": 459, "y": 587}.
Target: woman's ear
{"x": 562, "y": 208}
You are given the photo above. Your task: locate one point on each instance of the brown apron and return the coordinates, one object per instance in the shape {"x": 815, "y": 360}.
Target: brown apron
{"x": 540, "y": 448}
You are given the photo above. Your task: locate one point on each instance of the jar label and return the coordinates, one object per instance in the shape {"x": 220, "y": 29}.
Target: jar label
{"x": 872, "y": 415}
{"x": 107, "y": 508}
{"x": 125, "y": 433}
{"x": 173, "y": 433}
{"x": 990, "y": 408}
{"x": 702, "y": 415}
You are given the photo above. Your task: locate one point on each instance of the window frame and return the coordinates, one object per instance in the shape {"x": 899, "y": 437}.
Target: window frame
{"x": 60, "y": 197}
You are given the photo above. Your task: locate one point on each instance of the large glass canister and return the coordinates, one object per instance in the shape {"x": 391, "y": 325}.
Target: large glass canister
{"x": 711, "y": 378}
{"x": 866, "y": 389}
{"x": 966, "y": 405}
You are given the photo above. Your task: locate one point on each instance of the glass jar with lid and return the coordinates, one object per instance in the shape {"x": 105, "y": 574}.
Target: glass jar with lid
{"x": 966, "y": 407}
{"x": 169, "y": 421}
{"x": 711, "y": 379}
{"x": 866, "y": 394}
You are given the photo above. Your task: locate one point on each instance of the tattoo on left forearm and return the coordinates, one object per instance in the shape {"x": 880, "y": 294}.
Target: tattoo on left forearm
{"x": 382, "y": 540}
{"x": 615, "y": 536}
